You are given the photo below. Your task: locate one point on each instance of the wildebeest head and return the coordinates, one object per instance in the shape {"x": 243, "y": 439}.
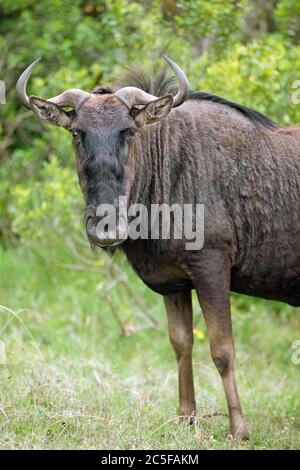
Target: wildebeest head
{"x": 103, "y": 125}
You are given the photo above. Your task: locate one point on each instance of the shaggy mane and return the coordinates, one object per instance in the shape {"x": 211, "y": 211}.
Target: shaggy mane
{"x": 137, "y": 77}
{"x": 162, "y": 85}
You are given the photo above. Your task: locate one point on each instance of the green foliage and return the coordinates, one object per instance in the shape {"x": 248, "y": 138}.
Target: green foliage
{"x": 48, "y": 206}
{"x": 259, "y": 75}
{"x": 287, "y": 14}
{"x": 217, "y": 22}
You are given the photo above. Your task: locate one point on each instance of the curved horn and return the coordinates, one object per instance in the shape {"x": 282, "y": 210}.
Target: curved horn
{"x": 72, "y": 98}
{"x": 132, "y": 96}
{"x": 183, "y": 90}
{"x": 22, "y": 84}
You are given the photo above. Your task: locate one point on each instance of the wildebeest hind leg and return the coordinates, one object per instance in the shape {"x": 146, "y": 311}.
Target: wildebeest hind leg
{"x": 180, "y": 323}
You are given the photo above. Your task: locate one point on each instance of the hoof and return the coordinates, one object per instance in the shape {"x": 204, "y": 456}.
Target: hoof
{"x": 187, "y": 417}
{"x": 240, "y": 431}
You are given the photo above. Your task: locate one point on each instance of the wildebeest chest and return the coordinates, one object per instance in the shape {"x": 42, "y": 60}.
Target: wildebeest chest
{"x": 162, "y": 272}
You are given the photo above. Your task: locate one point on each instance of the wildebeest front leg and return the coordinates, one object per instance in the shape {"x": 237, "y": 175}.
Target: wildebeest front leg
{"x": 180, "y": 323}
{"x": 212, "y": 282}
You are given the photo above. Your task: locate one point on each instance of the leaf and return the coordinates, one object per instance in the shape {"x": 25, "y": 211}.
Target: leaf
{"x": 198, "y": 334}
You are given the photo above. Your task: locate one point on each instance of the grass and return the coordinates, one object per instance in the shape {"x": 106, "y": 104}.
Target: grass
{"x": 70, "y": 379}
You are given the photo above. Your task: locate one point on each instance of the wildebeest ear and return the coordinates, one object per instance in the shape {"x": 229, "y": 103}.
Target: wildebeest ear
{"x": 154, "y": 111}
{"x": 50, "y": 112}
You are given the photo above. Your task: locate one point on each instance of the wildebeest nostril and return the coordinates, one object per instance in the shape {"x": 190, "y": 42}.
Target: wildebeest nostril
{"x": 91, "y": 229}
{"x": 105, "y": 236}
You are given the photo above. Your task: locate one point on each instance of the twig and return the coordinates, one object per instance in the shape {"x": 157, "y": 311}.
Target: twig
{"x": 15, "y": 314}
{"x": 4, "y": 414}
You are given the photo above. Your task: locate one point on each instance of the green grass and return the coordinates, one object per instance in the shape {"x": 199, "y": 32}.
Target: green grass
{"x": 72, "y": 380}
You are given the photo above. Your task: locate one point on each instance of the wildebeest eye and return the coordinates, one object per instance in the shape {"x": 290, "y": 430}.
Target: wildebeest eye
{"x": 77, "y": 135}
{"x": 128, "y": 132}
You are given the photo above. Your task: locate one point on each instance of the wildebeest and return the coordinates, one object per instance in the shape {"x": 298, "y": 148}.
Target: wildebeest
{"x": 194, "y": 147}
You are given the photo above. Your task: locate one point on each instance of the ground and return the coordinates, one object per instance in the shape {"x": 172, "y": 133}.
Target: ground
{"x": 70, "y": 379}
